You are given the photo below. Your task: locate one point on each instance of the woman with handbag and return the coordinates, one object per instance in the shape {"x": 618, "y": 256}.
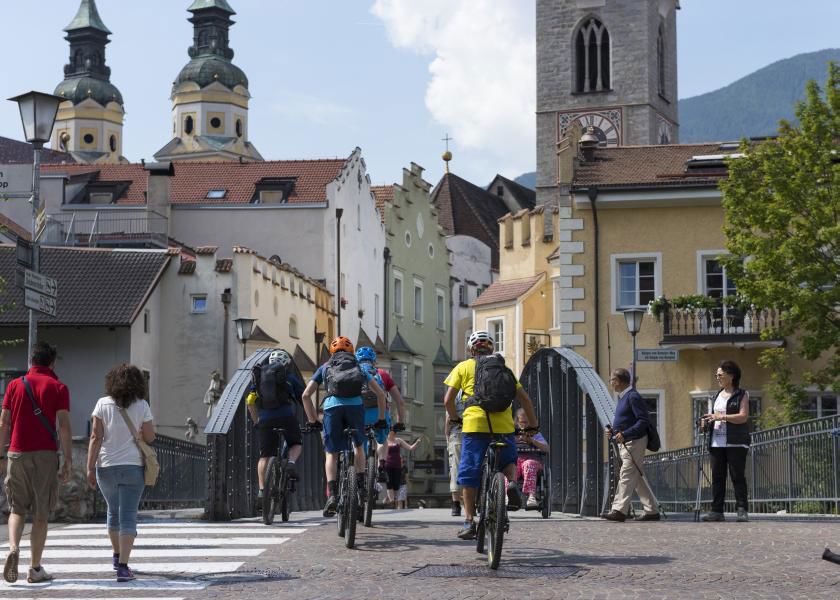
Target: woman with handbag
{"x": 121, "y": 430}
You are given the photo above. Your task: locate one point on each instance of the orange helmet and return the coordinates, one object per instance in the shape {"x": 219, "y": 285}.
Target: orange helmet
{"x": 341, "y": 344}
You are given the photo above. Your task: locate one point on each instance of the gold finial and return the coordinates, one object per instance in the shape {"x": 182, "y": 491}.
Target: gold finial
{"x": 447, "y": 155}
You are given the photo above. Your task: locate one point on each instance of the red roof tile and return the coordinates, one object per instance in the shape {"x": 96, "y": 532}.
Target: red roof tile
{"x": 14, "y": 227}
{"x": 382, "y": 194}
{"x": 639, "y": 166}
{"x": 506, "y": 291}
{"x": 193, "y": 180}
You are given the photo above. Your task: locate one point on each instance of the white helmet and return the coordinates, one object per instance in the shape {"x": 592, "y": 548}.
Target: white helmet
{"x": 480, "y": 340}
{"x": 280, "y": 356}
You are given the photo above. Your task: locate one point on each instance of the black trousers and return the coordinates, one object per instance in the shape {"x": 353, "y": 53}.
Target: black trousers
{"x": 735, "y": 461}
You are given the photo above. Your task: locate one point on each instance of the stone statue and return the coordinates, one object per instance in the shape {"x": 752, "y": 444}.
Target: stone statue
{"x": 214, "y": 392}
{"x": 192, "y": 429}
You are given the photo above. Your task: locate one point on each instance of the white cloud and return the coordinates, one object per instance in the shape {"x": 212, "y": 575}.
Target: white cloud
{"x": 483, "y": 70}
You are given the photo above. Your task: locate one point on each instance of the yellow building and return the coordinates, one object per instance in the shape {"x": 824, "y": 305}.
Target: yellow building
{"x": 516, "y": 309}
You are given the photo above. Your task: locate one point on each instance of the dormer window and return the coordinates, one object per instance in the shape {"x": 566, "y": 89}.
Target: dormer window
{"x": 273, "y": 190}
{"x": 216, "y": 194}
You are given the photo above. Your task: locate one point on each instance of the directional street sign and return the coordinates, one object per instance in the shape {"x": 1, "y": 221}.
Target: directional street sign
{"x": 657, "y": 355}
{"x": 40, "y": 302}
{"x": 40, "y": 283}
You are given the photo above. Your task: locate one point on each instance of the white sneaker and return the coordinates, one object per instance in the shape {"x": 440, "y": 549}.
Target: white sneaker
{"x": 38, "y": 576}
{"x": 532, "y": 502}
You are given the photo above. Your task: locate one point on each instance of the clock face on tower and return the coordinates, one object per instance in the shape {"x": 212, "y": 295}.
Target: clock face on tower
{"x": 606, "y": 130}
{"x": 606, "y": 124}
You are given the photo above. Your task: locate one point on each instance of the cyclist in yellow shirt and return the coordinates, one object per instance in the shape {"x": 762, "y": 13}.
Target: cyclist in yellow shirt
{"x": 476, "y": 435}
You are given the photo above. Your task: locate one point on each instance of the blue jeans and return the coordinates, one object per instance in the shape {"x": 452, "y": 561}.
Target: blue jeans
{"x": 122, "y": 486}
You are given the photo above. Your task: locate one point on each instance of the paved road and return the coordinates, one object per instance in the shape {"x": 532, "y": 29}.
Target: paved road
{"x": 669, "y": 560}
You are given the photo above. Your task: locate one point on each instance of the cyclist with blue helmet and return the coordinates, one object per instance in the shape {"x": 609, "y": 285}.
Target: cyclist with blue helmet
{"x": 366, "y": 357}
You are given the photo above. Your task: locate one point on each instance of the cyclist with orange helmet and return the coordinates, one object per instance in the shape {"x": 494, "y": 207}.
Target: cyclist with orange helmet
{"x": 344, "y": 380}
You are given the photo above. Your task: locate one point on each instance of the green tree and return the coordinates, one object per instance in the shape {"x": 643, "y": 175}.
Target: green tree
{"x": 781, "y": 204}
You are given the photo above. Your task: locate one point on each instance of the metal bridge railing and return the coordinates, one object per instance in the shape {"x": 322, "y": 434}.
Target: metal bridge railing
{"x": 183, "y": 475}
{"x": 795, "y": 468}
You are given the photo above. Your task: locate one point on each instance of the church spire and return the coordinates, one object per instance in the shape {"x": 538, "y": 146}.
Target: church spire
{"x": 88, "y": 17}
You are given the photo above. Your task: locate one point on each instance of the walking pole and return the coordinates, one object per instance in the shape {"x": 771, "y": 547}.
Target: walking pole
{"x": 704, "y": 440}
{"x": 642, "y": 473}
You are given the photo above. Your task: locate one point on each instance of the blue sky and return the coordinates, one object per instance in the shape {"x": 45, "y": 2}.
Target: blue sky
{"x": 390, "y": 76}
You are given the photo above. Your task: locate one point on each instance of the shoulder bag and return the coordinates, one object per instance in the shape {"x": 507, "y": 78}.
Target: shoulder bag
{"x": 151, "y": 466}
{"x": 40, "y": 413}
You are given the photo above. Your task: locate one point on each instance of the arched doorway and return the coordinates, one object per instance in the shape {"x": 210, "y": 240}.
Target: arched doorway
{"x": 573, "y": 405}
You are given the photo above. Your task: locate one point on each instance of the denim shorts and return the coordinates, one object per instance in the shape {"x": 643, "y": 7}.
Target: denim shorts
{"x": 473, "y": 447}
{"x": 122, "y": 486}
{"x": 339, "y": 418}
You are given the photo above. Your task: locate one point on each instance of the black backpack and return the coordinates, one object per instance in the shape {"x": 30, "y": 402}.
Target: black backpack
{"x": 495, "y": 384}
{"x": 344, "y": 377}
{"x": 369, "y": 398}
{"x": 271, "y": 381}
{"x": 653, "y": 441}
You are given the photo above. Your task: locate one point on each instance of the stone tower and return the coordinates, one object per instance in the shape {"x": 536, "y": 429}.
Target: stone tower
{"x": 89, "y": 123}
{"x": 210, "y": 96}
{"x": 609, "y": 64}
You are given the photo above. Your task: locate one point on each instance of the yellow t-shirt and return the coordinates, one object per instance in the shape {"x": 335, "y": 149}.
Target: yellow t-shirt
{"x": 462, "y": 377}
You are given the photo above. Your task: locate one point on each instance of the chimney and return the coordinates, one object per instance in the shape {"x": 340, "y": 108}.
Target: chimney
{"x": 159, "y": 187}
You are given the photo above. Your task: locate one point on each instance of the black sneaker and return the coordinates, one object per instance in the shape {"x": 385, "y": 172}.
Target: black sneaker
{"x": 467, "y": 532}
{"x": 456, "y": 508}
{"x": 382, "y": 475}
{"x": 330, "y": 506}
{"x": 291, "y": 470}
{"x": 514, "y": 502}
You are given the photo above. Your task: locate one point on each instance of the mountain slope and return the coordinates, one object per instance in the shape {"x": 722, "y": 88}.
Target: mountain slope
{"x": 753, "y": 105}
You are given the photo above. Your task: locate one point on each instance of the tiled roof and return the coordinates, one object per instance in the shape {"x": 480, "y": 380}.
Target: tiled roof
{"x": 13, "y": 151}
{"x": 398, "y": 344}
{"x": 642, "y": 166}
{"x": 302, "y": 360}
{"x": 363, "y": 339}
{"x": 193, "y": 180}
{"x": 224, "y": 265}
{"x": 525, "y": 197}
{"x": 382, "y": 194}
{"x": 442, "y": 358}
{"x": 466, "y": 209}
{"x": 506, "y": 291}
{"x": 96, "y": 287}
{"x": 259, "y": 335}
{"x": 14, "y": 227}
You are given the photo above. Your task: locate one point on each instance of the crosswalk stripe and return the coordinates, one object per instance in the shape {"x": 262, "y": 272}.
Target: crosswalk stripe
{"x": 150, "y": 567}
{"x": 101, "y": 530}
{"x": 84, "y": 584}
{"x": 230, "y": 525}
{"x": 111, "y": 598}
{"x": 208, "y": 542}
{"x": 51, "y": 553}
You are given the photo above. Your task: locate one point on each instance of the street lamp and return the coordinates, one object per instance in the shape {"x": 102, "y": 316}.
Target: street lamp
{"x": 633, "y": 317}
{"x": 338, "y": 213}
{"x": 244, "y": 328}
{"x": 37, "y": 113}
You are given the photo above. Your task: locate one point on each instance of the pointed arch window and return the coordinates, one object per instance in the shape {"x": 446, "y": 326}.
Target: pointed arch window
{"x": 660, "y": 60}
{"x": 592, "y": 57}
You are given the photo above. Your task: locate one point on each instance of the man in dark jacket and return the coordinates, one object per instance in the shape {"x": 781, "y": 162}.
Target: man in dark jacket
{"x": 630, "y": 431}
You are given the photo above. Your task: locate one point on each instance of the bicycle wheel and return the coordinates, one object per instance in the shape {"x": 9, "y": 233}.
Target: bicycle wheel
{"x": 340, "y": 515}
{"x": 546, "y": 493}
{"x": 370, "y": 490}
{"x": 481, "y": 507}
{"x": 269, "y": 492}
{"x": 496, "y": 520}
{"x": 285, "y": 497}
{"x": 351, "y": 506}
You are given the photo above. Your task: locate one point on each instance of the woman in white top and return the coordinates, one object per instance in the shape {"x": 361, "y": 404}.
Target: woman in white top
{"x": 114, "y": 459}
{"x": 730, "y": 440}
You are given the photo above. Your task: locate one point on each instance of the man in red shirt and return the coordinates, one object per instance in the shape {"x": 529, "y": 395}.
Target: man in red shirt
{"x": 28, "y": 430}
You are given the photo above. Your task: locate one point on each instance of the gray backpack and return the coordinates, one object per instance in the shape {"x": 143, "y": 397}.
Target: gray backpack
{"x": 343, "y": 377}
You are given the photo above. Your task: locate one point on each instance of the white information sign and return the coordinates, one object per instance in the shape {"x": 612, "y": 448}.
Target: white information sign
{"x": 15, "y": 181}
{"x": 40, "y": 283}
{"x": 40, "y": 302}
{"x": 657, "y": 355}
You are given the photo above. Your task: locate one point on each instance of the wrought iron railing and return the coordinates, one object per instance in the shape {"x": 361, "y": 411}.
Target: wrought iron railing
{"x": 183, "y": 475}
{"x": 795, "y": 468}
{"x": 106, "y": 228}
{"x": 679, "y": 324}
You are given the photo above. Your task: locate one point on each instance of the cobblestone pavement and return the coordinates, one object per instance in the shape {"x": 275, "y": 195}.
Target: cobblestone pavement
{"x": 674, "y": 559}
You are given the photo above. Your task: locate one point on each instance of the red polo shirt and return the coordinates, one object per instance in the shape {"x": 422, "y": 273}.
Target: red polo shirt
{"x": 28, "y": 432}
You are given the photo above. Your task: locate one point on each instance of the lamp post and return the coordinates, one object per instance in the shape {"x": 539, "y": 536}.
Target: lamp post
{"x": 244, "y": 328}
{"x": 338, "y": 213}
{"x": 37, "y": 114}
{"x": 633, "y": 317}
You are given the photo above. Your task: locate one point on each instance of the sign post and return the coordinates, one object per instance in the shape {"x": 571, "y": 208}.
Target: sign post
{"x": 40, "y": 292}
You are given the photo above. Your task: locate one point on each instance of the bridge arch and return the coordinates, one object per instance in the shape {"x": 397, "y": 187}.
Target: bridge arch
{"x": 573, "y": 405}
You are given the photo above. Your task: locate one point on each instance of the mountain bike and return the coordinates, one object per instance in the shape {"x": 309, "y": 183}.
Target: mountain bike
{"x": 349, "y": 502}
{"x": 371, "y": 474}
{"x": 279, "y": 487}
